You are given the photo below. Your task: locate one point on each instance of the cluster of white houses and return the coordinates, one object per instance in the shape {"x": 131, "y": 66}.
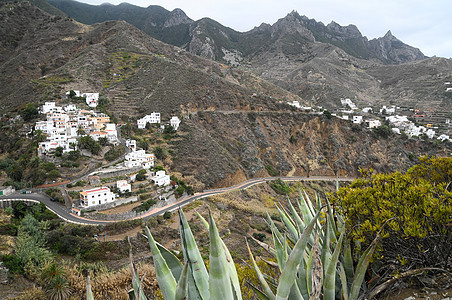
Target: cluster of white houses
{"x": 154, "y": 118}
{"x": 400, "y": 124}
{"x": 64, "y": 124}
{"x": 90, "y": 98}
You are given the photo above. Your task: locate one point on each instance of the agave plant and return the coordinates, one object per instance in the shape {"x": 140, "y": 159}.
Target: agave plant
{"x": 191, "y": 280}
{"x": 319, "y": 264}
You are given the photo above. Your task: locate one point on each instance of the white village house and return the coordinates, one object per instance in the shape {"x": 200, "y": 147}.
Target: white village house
{"x": 174, "y": 122}
{"x": 153, "y": 118}
{"x": 91, "y": 99}
{"x": 131, "y": 144}
{"x": 374, "y": 123}
{"x": 161, "y": 179}
{"x": 123, "y": 186}
{"x": 139, "y": 158}
{"x": 96, "y": 196}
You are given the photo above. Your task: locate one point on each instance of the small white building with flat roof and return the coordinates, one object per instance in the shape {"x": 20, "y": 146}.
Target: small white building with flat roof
{"x": 161, "y": 179}
{"x": 96, "y": 196}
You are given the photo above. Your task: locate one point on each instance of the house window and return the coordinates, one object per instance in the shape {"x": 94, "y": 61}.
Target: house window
{"x": 92, "y": 196}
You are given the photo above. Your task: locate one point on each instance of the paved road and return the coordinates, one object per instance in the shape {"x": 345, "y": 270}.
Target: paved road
{"x": 66, "y": 215}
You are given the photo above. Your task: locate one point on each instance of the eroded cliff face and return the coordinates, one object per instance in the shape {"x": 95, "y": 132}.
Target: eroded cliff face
{"x": 225, "y": 148}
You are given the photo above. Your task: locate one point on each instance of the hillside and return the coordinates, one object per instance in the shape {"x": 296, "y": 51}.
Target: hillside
{"x": 235, "y": 125}
{"x": 320, "y": 63}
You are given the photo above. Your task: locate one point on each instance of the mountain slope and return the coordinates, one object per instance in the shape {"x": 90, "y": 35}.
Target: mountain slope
{"x": 234, "y": 124}
{"x": 210, "y": 39}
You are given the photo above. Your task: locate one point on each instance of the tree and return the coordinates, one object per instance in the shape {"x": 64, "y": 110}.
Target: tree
{"x": 59, "y": 151}
{"x": 327, "y": 114}
{"x": 29, "y": 112}
{"x": 103, "y": 141}
{"x": 87, "y": 142}
{"x": 71, "y": 94}
{"x": 159, "y": 153}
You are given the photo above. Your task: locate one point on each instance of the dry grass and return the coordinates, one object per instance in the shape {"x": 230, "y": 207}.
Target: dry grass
{"x": 112, "y": 285}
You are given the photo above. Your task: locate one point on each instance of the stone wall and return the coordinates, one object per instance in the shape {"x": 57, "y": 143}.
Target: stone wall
{"x": 4, "y": 273}
{"x": 113, "y": 204}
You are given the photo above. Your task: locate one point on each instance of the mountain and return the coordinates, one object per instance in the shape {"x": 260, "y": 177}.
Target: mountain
{"x": 319, "y": 63}
{"x": 234, "y": 124}
{"x": 210, "y": 39}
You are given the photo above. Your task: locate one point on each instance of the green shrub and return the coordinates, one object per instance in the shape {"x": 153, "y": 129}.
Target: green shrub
{"x": 419, "y": 204}
{"x": 271, "y": 171}
{"x": 279, "y": 186}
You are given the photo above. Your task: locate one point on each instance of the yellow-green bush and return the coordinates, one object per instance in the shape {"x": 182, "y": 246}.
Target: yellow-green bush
{"x": 420, "y": 203}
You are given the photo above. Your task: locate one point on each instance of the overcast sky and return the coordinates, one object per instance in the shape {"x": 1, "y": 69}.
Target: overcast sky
{"x": 426, "y": 25}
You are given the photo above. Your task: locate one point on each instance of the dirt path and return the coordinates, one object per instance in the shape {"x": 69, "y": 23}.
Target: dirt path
{"x": 120, "y": 236}
{"x": 121, "y": 209}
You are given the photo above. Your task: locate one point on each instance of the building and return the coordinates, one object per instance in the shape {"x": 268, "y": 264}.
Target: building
{"x": 139, "y": 158}
{"x": 4, "y": 191}
{"x": 47, "y": 107}
{"x": 357, "y": 119}
{"x": 123, "y": 186}
{"x": 131, "y": 144}
{"x": 96, "y": 196}
{"x": 161, "y": 179}
{"x": 374, "y": 123}
{"x": 153, "y": 118}
{"x": 174, "y": 122}
{"x": 91, "y": 99}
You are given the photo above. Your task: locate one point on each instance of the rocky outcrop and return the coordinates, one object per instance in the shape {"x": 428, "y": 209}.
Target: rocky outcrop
{"x": 177, "y": 17}
{"x": 391, "y": 50}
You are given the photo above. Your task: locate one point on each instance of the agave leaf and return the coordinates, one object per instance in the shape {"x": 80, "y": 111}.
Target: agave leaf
{"x": 344, "y": 286}
{"x": 219, "y": 280}
{"x": 182, "y": 284}
{"x": 171, "y": 260}
{"x": 362, "y": 267}
{"x": 295, "y": 216}
{"x": 290, "y": 225}
{"x": 309, "y": 202}
{"x": 295, "y": 293}
{"x": 231, "y": 266}
{"x": 289, "y": 273}
{"x": 197, "y": 269}
{"x": 301, "y": 278}
{"x": 329, "y": 286}
{"x": 281, "y": 251}
{"x": 309, "y": 273}
{"x": 332, "y": 224}
{"x": 304, "y": 209}
{"x": 317, "y": 270}
{"x": 274, "y": 228}
{"x": 326, "y": 252}
{"x": 348, "y": 262}
{"x": 165, "y": 278}
{"x": 267, "y": 290}
{"x": 265, "y": 246}
{"x": 89, "y": 292}
{"x": 136, "y": 283}
{"x": 259, "y": 294}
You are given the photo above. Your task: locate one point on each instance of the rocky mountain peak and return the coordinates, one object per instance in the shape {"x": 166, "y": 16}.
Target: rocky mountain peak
{"x": 350, "y": 31}
{"x": 177, "y": 17}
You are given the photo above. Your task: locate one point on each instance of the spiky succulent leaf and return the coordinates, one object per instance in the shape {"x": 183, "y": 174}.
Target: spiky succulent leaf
{"x": 192, "y": 256}
{"x": 89, "y": 292}
{"x": 329, "y": 287}
{"x": 219, "y": 280}
{"x": 171, "y": 260}
{"x": 344, "y": 284}
{"x": 361, "y": 268}
{"x": 165, "y": 278}
{"x": 290, "y": 225}
{"x": 267, "y": 290}
{"x": 182, "y": 284}
{"x": 231, "y": 266}
{"x": 295, "y": 216}
{"x": 289, "y": 273}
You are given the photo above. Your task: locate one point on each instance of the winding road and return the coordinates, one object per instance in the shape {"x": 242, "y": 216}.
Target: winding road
{"x": 63, "y": 213}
